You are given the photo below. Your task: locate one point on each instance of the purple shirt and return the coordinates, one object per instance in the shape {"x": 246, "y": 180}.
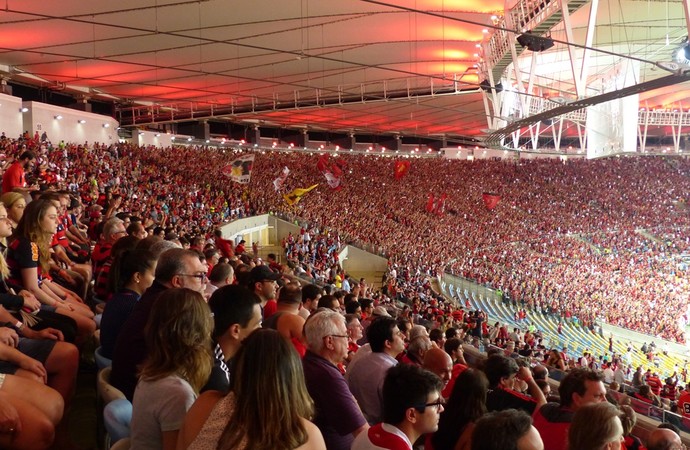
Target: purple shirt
{"x": 337, "y": 413}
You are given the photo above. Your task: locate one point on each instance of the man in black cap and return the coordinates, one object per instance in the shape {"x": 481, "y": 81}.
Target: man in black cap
{"x": 264, "y": 283}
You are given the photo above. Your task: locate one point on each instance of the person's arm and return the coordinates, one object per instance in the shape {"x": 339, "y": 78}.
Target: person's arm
{"x": 30, "y": 283}
{"x": 532, "y": 387}
{"x": 170, "y": 439}
{"x": 196, "y": 417}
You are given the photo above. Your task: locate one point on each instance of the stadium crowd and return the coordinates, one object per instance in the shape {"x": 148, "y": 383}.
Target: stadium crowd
{"x": 578, "y": 239}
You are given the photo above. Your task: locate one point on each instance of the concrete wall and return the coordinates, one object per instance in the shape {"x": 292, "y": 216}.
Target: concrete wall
{"x": 11, "y": 117}
{"x": 42, "y": 117}
{"x": 361, "y": 264}
{"x": 154, "y": 138}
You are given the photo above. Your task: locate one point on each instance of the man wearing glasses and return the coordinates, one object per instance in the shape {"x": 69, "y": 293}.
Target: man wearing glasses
{"x": 412, "y": 407}
{"x": 176, "y": 268}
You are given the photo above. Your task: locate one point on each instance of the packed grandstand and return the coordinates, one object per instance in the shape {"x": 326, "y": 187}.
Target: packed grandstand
{"x": 592, "y": 239}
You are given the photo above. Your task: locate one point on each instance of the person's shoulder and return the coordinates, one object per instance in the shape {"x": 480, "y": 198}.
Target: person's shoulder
{"x": 315, "y": 441}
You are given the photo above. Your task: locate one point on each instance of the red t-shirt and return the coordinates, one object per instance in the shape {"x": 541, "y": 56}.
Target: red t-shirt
{"x": 13, "y": 177}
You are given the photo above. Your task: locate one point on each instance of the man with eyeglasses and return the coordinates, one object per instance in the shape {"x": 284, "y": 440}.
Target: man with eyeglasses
{"x": 337, "y": 414}
{"x": 365, "y": 377}
{"x": 176, "y": 268}
{"x": 412, "y": 407}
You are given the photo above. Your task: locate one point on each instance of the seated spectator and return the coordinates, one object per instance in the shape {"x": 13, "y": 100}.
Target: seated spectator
{"x": 628, "y": 421}
{"x": 132, "y": 274}
{"x": 664, "y": 439}
{"x": 286, "y": 319}
{"x": 580, "y": 387}
{"x": 502, "y": 371}
{"x": 416, "y": 349}
{"x": 179, "y": 362}
{"x": 176, "y": 268}
{"x": 597, "y": 427}
{"x": 354, "y": 333}
{"x": 365, "y": 376}
{"x": 466, "y": 405}
{"x": 221, "y": 275}
{"x": 509, "y": 429}
{"x": 412, "y": 405}
{"x": 311, "y": 294}
{"x": 268, "y": 393}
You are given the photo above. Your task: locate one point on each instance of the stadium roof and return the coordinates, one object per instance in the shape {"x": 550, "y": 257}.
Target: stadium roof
{"x": 409, "y": 68}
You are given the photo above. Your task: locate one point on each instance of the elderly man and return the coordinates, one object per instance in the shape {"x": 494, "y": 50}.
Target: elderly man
{"x": 176, "y": 268}
{"x": 337, "y": 414}
{"x": 664, "y": 439}
{"x": 365, "y": 378}
{"x": 439, "y": 362}
{"x": 582, "y": 386}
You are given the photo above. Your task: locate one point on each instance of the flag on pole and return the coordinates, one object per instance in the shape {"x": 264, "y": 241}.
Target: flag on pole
{"x": 292, "y": 198}
{"x": 278, "y": 182}
{"x": 240, "y": 170}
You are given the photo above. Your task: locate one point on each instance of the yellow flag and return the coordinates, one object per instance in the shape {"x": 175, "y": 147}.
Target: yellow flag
{"x": 292, "y": 198}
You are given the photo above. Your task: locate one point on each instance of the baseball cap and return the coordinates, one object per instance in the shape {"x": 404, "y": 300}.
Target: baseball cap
{"x": 263, "y": 273}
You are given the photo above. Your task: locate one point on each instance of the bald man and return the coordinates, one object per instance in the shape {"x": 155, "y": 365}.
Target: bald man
{"x": 440, "y": 363}
{"x": 663, "y": 439}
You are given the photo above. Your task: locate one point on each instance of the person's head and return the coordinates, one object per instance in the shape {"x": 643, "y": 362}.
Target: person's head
{"x": 383, "y": 335}
{"x": 137, "y": 229}
{"x": 582, "y": 386}
{"x": 39, "y": 224}
{"x": 438, "y": 362}
{"x": 330, "y": 302}
{"x": 326, "y": 335}
{"x": 5, "y": 223}
{"x": 645, "y": 390}
{"x": 437, "y": 337}
{"x": 264, "y": 282}
{"x": 221, "y": 275}
{"x": 510, "y": 429}
{"x": 596, "y": 426}
{"x": 132, "y": 269}
{"x": 418, "y": 330}
{"x": 453, "y": 347}
{"x": 311, "y": 294}
{"x": 270, "y": 394}
{"x": 664, "y": 439}
{"x": 15, "y": 204}
{"x": 290, "y": 294}
{"x": 500, "y": 369}
{"x": 236, "y": 313}
{"x": 178, "y": 336}
{"x": 412, "y": 398}
{"x": 26, "y": 159}
{"x": 367, "y": 306}
{"x": 212, "y": 255}
{"x": 355, "y": 330}
{"x": 181, "y": 268}
{"x": 353, "y": 307}
{"x": 466, "y": 404}
{"x": 114, "y": 229}
{"x": 628, "y": 419}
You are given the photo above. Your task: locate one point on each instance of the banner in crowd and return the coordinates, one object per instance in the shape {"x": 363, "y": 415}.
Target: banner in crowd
{"x": 436, "y": 205}
{"x": 240, "y": 170}
{"x": 331, "y": 170}
{"x": 292, "y": 198}
{"x": 401, "y": 169}
{"x": 491, "y": 200}
{"x": 278, "y": 182}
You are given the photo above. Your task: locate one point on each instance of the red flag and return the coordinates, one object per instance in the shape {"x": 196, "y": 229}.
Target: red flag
{"x": 430, "y": 202}
{"x": 401, "y": 168}
{"x": 441, "y": 204}
{"x": 490, "y": 200}
{"x": 333, "y": 171}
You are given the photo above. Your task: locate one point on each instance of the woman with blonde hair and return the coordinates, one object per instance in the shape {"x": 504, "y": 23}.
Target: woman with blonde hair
{"x": 596, "y": 427}
{"x": 15, "y": 204}
{"x": 268, "y": 407}
{"x": 178, "y": 336}
{"x": 28, "y": 258}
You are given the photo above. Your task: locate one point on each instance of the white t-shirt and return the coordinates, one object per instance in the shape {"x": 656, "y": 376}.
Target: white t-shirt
{"x": 159, "y": 406}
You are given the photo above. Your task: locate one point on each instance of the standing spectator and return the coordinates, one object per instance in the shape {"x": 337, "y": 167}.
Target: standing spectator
{"x": 365, "y": 378}
{"x": 337, "y": 413}
{"x": 412, "y": 405}
{"x": 14, "y": 178}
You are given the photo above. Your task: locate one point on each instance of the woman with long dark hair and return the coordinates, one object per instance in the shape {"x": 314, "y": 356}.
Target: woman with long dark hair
{"x": 268, "y": 407}
{"x": 467, "y": 403}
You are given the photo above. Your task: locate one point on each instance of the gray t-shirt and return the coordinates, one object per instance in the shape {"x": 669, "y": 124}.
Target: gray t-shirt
{"x": 159, "y": 406}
